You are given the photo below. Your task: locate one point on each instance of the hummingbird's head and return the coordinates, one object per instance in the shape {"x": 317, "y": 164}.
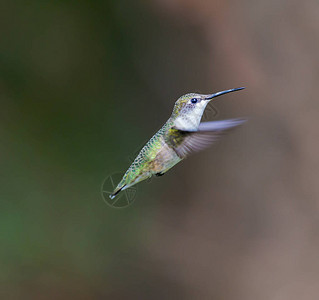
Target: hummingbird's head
{"x": 188, "y": 109}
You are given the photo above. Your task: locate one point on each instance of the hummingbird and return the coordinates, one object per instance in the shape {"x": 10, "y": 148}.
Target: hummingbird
{"x": 180, "y": 136}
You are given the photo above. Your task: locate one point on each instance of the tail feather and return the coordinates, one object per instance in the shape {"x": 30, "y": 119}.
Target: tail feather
{"x": 116, "y": 191}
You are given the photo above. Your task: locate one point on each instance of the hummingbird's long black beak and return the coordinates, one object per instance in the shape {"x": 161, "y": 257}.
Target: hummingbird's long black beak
{"x": 222, "y": 93}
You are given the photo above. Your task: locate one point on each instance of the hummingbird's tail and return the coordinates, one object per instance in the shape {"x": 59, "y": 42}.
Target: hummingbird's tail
{"x": 116, "y": 191}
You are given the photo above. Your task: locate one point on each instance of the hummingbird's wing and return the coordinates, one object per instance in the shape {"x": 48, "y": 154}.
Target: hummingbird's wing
{"x": 186, "y": 142}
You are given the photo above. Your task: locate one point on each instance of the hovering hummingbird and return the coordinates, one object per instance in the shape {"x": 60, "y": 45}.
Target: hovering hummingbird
{"x": 181, "y": 135}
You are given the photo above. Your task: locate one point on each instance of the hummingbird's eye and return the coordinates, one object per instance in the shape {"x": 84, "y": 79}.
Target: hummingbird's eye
{"x": 194, "y": 100}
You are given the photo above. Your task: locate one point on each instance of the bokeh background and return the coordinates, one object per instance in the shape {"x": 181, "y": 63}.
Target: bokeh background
{"x": 85, "y": 83}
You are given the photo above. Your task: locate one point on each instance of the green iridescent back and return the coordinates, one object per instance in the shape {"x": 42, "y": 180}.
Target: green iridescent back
{"x": 147, "y": 154}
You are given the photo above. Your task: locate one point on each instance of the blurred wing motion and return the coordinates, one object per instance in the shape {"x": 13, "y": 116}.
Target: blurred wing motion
{"x": 187, "y": 142}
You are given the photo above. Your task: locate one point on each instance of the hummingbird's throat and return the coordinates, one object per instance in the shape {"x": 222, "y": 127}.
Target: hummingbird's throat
{"x": 189, "y": 119}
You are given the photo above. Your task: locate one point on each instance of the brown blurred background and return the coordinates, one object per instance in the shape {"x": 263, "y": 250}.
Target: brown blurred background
{"x": 85, "y": 83}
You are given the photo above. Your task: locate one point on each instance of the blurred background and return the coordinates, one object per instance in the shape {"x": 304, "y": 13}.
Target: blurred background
{"x": 85, "y": 83}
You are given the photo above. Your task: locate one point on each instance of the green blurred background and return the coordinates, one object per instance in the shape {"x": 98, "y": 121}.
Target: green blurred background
{"x": 85, "y": 83}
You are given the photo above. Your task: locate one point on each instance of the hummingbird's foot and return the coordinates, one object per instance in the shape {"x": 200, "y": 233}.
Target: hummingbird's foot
{"x": 159, "y": 174}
